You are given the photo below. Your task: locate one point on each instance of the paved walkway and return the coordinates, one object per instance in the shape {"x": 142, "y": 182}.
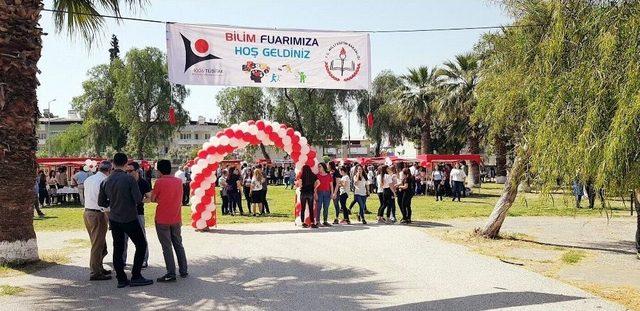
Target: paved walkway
{"x": 280, "y": 267}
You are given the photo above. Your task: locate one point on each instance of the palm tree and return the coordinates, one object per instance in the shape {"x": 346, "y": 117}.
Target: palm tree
{"x": 458, "y": 81}
{"x": 21, "y": 43}
{"x": 417, "y": 97}
{"x": 379, "y": 102}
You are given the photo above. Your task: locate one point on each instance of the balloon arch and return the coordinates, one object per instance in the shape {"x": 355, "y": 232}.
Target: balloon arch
{"x": 203, "y": 171}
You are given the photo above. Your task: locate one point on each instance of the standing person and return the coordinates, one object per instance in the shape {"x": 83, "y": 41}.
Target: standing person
{"x": 121, "y": 193}
{"x": 233, "y": 191}
{"x": 324, "y": 191}
{"x": 43, "y": 195}
{"x": 36, "y": 191}
{"x": 407, "y": 187}
{"x": 309, "y": 184}
{"x": 371, "y": 179}
{"x": 437, "y": 178}
{"x": 380, "y": 191}
{"x": 360, "y": 192}
{"x": 292, "y": 176}
{"x": 52, "y": 182}
{"x": 344, "y": 183}
{"x": 591, "y": 192}
{"x": 578, "y": 191}
{"x": 133, "y": 169}
{"x": 263, "y": 196}
{"x": 399, "y": 177}
{"x": 336, "y": 201}
{"x": 222, "y": 182}
{"x": 186, "y": 186}
{"x": 246, "y": 187}
{"x": 148, "y": 174}
{"x": 286, "y": 177}
{"x": 255, "y": 190}
{"x": 457, "y": 177}
{"x": 168, "y": 194}
{"x": 391, "y": 204}
{"x": 97, "y": 222}
{"x": 78, "y": 179}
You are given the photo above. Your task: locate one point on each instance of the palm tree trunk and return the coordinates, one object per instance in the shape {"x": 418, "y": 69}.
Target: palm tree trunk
{"x": 20, "y": 43}
{"x": 425, "y": 137}
{"x": 501, "y": 158}
{"x": 378, "y": 147}
{"x": 474, "y": 148}
{"x": 492, "y": 228}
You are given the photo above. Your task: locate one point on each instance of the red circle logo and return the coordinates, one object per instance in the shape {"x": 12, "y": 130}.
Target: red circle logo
{"x": 201, "y": 46}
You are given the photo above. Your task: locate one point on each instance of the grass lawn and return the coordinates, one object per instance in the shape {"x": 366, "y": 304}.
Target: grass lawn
{"x": 280, "y": 200}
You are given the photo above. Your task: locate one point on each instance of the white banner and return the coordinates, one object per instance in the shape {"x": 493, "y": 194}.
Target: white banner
{"x": 267, "y": 58}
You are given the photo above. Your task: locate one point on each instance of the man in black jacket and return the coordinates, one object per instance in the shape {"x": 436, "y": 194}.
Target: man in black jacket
{"x": 121, "y": 193}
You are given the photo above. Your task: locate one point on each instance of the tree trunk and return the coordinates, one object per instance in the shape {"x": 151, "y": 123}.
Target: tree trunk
{"x": 474, "y": 167}
{"x": 492, "y": 228}
{"x": 20, "y": 43}
{"x": 264, "y": 152}
{"x": 425, "y": 137}
{"x": 378, "y": 147}
{"x": 501, "y": 158}
{"x": 296, "y": 112}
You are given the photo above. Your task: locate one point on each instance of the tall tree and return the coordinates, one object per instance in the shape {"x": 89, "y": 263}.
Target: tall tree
{"x": 380, "y": 103}
{"x": 143, "y": 100}
{"x": 417, "y": 97}
{"x": 312, "y": 112}
{"x": 240, "y": 104}
{"x": 21, "y": 43}
{"x": 458, "y": 80}
{"x": 71, "y": 142}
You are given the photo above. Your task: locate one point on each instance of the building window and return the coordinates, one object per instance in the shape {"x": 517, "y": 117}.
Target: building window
{"x": 42, "y": 136}
{"x": 185, "y": 136}
{"x": 207, "y": 136}
{"x": 196, "y": 136}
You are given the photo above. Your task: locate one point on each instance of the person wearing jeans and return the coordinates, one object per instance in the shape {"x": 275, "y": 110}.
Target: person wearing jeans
{"x": 360, "y": 192}
{"x": 336, "y": 200}
{"x": 345, "y": 184}
{"x": 167, "y": 192}
{"x": 324, "y": 194}
{"x": 457, "y": 177}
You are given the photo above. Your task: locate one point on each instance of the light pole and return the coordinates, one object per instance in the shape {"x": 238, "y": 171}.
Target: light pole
{"x": 48, "y": 125}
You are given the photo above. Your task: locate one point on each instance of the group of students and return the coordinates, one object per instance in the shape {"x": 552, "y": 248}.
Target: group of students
{"x": 233, "y": 182}
{"x": 114, "y": 199}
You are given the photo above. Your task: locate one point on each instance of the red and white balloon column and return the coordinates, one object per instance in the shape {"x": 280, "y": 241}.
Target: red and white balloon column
{"x": 203, "y": 171}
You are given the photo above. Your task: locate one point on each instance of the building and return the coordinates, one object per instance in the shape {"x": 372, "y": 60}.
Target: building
{"x": 191, "y": 136}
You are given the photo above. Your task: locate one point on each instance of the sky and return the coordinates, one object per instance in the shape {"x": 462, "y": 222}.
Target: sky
{"x": 65, "y": 61}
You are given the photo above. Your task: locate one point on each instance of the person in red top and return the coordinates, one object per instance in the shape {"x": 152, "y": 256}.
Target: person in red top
{"x": 325, "y": 191}
{"x": 167, "y": 192}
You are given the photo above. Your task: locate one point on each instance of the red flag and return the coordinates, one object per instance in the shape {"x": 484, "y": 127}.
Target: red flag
{"x": 172, "y": 116}
{"x": 370, "y": 120}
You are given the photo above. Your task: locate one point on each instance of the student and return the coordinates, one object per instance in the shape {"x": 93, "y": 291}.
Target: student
{"x": 407, "y": 187}
{"x": 381, "y": 171}
{"x": 344, "y": 184}
{"x": 120, "y": 192}
{"x": 388, "y": 192}
{"x": 233, "y": 191}
{"x": 325, "y": 191}
{"x": 360, "y": 192}
{"x": 308, "y": 186}
{"x": 336, "y": 177}
{"x": 391, "y": 207}
{"x": 167, "y": 192}
{"x": 256, "y": 191}
{"x": 457, "y": 181}
{"x": 222, "y": 182}
{"x": 437, "y": 177}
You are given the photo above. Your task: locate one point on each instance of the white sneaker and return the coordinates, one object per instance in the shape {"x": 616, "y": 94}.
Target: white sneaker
{"x": 393, "y": 219}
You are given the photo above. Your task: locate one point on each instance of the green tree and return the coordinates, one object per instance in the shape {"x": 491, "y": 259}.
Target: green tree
{"x": 458, "y": 80}
{"x": 240, "y": 104}
{"x": 71, "y": 142}
{"x": 21, "y": 44}
{"x": 387, "y": 124}
{"x": 312, "y": 112}
{"x": 418, "y": 97}
{"x": 143, "y": 100}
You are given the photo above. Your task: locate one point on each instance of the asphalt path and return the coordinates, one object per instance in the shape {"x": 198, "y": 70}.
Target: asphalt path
{"x": 277, "y": 266}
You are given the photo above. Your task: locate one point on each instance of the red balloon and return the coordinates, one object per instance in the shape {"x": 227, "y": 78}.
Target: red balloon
{"x": 238, "y": 134}
{"x": 211, "y": 150}
{"x": 246, "y": 137}
{"x": 206, "y": 200}
{"x": 312, "y": 154}
{"x": 295, "y": 139}
{"x": 219, "y": 134}
{"x": 228, "y": 132}
{"x": 268, "y": 129}
{"x": 260, "y": 125}
{"x": 202, "y": 154}
{"x": 290, "y": 132}
{"x": 251, "y": 122}
{"x": 295, "y": 148}
{"x": 309, "y": 162}
{"x": 283, "y": 126}
{"x": 295, "y": 155}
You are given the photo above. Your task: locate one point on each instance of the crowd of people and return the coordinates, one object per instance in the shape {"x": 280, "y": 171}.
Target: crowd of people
{"x": 114, "y": 200}
{"x": 394, "y": 185}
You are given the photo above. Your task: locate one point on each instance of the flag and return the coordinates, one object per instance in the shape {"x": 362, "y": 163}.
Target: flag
{"x": 172, "y": 116}
{"x": 370, "y": 120}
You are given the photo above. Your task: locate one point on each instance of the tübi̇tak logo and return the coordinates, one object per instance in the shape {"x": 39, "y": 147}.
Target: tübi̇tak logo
{"x": 196, "y": 52}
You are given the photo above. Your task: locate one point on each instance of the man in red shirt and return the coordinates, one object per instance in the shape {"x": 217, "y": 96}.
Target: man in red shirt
{"x": 167, "y": 192}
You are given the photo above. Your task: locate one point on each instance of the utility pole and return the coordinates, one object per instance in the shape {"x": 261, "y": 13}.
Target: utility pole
{"x": 48, "y": 126}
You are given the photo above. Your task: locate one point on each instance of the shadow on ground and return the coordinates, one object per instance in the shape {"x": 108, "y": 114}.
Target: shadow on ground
{"x": 486, "y": 301}
{"x": 610, "y": 247}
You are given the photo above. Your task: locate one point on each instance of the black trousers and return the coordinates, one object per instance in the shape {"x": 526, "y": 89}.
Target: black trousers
{"x": 185, "y": 193}
{"x": 265, "y": 204}
{"x": 343, "y": 204}
{"x": 306, "y": 200}
{"x": 638, "y": 226}
{"x": 458, "y": 188}
{"x": 391, "y": 204}
{"x": 382, "y": 204}
{"x": 234, "y": 201}
{"x": 135, "y": 233}
{"x": 437, "y": 185}
{"x": 225, "y": 204}
{"x": 247, "y": 196}
{"x": 400, "y": 198}
{"x": 406, "y": 204}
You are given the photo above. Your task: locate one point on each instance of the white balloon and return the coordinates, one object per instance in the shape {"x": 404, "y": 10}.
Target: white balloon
{"x": 206, "y": 215}
{"x": 275, "y": 126}
{"x": 201, "y": 224}
{"x": 233, "y": 142}
{"x": 234, "y": 127}
{"x": 304, "y": 149}
{"x": 286, "y": 141}
{"x": 302, "y": 159}
{"x": 314, "y": 168}
{"x": 224, "y": 140}
{"x": 210, "y": 158}
{"x": 195, "y": 200}
{"x": 303, "y": 141}
{"x": 253, "y": 130}
{"x": 287, "y": 148}
{"x": 199, "y": 192}
{"x": 297, "y": 134}
{"x": 206, "y": 145}
{"x": 213, "y": 139}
